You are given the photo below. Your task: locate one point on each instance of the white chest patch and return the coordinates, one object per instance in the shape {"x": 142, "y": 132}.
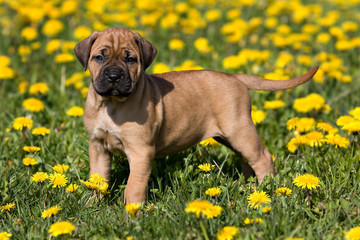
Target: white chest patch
{"x": 106, "y": 139}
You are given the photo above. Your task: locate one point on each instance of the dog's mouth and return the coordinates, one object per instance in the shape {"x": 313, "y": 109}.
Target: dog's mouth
{"x": 113, "y": 90}
{"x": 121, "y": 87}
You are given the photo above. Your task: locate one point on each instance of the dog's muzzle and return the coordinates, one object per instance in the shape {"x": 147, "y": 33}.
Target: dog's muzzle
{"x": 113, "y": 81}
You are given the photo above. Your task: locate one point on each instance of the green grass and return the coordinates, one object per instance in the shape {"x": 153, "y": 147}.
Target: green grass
{"x": 176, "y": 180}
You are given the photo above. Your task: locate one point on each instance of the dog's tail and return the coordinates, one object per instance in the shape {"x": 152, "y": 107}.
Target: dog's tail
{"x": 258, "y": 83}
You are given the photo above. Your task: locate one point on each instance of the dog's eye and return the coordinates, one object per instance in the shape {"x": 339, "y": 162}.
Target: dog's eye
{"x": 131, "y": 60}
{"x": 99, "y": 58}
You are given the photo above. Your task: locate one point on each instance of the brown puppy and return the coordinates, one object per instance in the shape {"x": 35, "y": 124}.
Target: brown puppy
{"x": 145, "y": 116}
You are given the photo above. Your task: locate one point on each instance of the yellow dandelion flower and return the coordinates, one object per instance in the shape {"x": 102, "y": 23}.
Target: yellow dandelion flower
{"x": 39, "y": 177}
{"x": 291, "y": 123}
{"x": 84, "y": 92}
{"x": 29, "y": 161}
{"x": 58, "y": 180}
{"x": 314, "y": 138}
{"x": 206, "y": 167}
{"x": 326, "y": 127}
{"x": 50, "y": 211}
{"x": 274, "y": 104}
{"x": 40, "y": 131}
{"x": 97, "y": 178}
{"x": 305, "y": 124}
{"x": 257, "y": 198}
{"x": 75, "y": 111}
{"x": 258, "y": 116}
{"x": 82, "y": 32}
{"x": 188, "y": 65}
{"x": 52, "y": 27}
{"x": 227, "y": 233}
{"x": 346, "y": 79}
{"x": 352, "y": 127}
{"x": 234, "y": 62}
{"x": 212, "y": 192}
{"x": 31, "y": 149}
{"x": 39, "y": 88}
{"x": 4, "y": 61}
{"x": 69, "y": 7}
{"x": 233, "y": 14}
{"x": 311, "y": 102}
{"x": 29, "y": 33}
{"x": 35, "y": 45}
{"x": 344, "y": 120}
{"x": 7, "y": 207}
{"x": 52, "y": 46}
{"x": 96, "y": 182}
{"x": 22, "y": 122}
{"x": 337, "y": 140}
{"x": 202, "y": 45}
{"x": 60, "y": 168}
{"x": 248, "y": 221}
{"x": 150, "y": 208}
{"x": 305, "y": 60}
{"x": 64, "y": 58}
{"x": 353, "y": 234}
{"x": 307, "y": 181}
{"x": 5, "y": 235}
{"x": 22, "y": 86}
{"x": 170, "y": 20}
{"x": 6, "y": 72}
{"x": 209, "y": 142}
{"x": 299, "y": 141}
{"x": 72, "y": 187}
{"x": 266, "y": 209}
{"x": 197, "y": 207}
{"x": 212, "y": 15}
{"x": 90, "y": 185}
{"x": 212, "y": 212}
{"x": 355, "y": 113}
{"x": 33, "y": 105}
{"x": 161, "y": 68}
{"x": 60, "y": 228}
{"x": 132, "y": 208}
{"x": 24, "y": 50}
{"x": 323, "y": 38}
{"x": 176, "y": 44}
{"x": 203, "y": 207}
{"x": 283, "y": 191}
{"x": 103, "y": 188}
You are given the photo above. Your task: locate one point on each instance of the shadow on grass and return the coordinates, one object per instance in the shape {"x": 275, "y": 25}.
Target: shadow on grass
{"x": 174, "y": 170}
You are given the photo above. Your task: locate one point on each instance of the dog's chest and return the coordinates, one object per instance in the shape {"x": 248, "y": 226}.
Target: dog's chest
{"x": 108, "y": 140}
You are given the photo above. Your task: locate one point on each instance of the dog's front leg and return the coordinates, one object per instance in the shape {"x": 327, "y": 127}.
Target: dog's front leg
{"x": 140, "y": 170}
{"x": 100, "y": 160}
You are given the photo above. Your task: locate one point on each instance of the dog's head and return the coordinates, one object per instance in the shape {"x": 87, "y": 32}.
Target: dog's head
{"x": 117, "y": 58}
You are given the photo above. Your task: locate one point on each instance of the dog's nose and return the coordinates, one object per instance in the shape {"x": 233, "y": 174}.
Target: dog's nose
{"x": 113, "y": 74}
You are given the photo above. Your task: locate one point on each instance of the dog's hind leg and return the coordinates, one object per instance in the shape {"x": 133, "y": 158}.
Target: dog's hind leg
{"x": 246, "y": 141}
{"x": 245, "y": 167}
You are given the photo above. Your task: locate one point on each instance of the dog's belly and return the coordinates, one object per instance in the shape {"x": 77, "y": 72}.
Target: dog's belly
{"x": 108, "y": 140}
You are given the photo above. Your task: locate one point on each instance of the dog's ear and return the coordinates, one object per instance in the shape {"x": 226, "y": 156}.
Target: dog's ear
{"x": 148, "y": 51}
{"x": 82, "y": 49}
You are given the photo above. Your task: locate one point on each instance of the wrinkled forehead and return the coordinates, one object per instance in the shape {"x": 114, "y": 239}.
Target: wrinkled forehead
{"x": 116, "y": 41}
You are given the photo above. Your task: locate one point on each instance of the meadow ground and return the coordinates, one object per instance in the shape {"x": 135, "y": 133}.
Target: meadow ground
{"x": 312, "y": 130}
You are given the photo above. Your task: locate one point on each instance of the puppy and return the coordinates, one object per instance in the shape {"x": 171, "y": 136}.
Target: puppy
{"x": 144, "y": 116}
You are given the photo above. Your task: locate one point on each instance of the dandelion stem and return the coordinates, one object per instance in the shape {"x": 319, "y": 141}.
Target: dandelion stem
{"x": 23, "y": 135}
{"x": 204, "y": 230}
{"x": 62, "y": 79}
{"x": 308, "y": 197}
